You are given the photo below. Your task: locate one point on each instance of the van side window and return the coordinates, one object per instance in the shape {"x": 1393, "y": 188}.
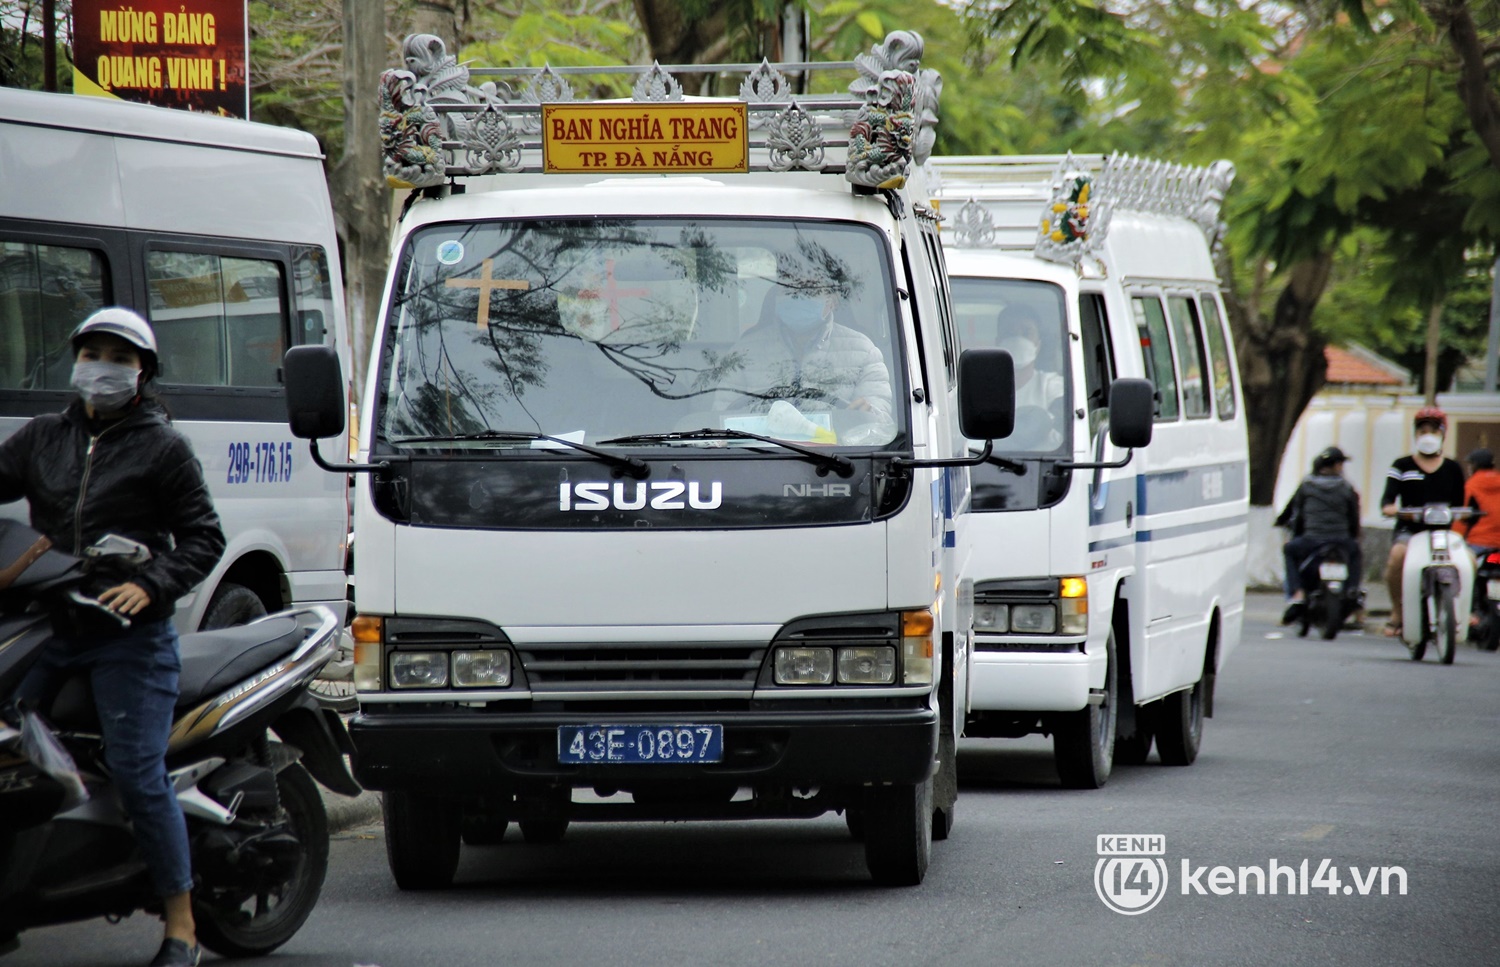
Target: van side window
{"x": 314, "y": 291}
{"x": 45, "y": 290}
{"x": 1185, "y": 335}
{"x": 1156, "y": 347}
{"x": 1218, "y": 353}
{"x": 220, "y": 320}
{"x": 1098, "y": 359}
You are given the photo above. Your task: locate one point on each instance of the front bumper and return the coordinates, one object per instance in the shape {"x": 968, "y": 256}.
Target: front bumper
{"x": 450, "y": 752}
{"x": 1029, "y": 681}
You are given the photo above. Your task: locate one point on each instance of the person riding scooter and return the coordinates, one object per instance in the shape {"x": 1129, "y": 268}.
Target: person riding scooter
{"x": 111, "y": 463}
{"x": 1482, "y": 493}
{"x": 1324, "y": 510}
{"x": 1425, "y": 477}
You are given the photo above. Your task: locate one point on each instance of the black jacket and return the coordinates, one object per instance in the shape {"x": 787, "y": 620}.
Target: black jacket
{"x": 136, "y": 476}
{"x": 1325, "y": 507}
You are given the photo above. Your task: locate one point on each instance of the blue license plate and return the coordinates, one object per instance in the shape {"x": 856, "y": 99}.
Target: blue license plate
{"x": 639, "y": 744}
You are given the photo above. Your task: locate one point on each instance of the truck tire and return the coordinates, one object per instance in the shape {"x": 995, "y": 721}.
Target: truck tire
{"x": 898, "y": 832}
{"x": 1180, "y": 727}
{"x": 421, "y": 839}
{"x": 537, "y": 831}
{"x": 1083, "y": 743}
{"x": 945, "y": 788}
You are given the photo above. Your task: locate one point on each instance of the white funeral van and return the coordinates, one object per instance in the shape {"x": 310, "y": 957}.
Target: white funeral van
{"x": 219, "y": 232}
{"x": 662, "y": 483}
{"x": 1109, "y": 584}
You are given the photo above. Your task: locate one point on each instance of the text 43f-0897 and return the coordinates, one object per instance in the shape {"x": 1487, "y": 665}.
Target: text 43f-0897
{"x": 662, "y": 498}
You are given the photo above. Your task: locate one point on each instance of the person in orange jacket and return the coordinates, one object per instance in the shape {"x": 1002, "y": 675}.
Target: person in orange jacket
{"x": 1482, "y": 492}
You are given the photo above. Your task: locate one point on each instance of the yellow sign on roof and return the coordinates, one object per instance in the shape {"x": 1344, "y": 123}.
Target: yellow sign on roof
{"x": 644, "y": 137}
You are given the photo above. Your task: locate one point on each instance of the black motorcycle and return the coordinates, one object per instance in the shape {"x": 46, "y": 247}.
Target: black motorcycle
{"x": 1332, "y": 593}
{"x": 1486, "y": 633}
{"x": 256, "y": 822}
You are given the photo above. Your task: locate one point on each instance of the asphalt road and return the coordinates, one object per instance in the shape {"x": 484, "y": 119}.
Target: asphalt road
{"x": 1342, "y": 751}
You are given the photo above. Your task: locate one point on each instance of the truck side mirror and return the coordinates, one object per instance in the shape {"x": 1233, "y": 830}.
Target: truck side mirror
{"x": 986, "y": 394}
{"x": 315, "y": 403}
{"x": 1132, "y": 410}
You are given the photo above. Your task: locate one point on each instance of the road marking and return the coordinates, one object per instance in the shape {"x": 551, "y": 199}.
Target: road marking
{"x": 1314, "y": 833}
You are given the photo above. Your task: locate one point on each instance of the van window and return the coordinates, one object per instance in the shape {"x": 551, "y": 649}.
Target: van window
{"x": 1156, "y": 347}
{"x": 45, "y": 291}
{"x": 313, "y": 285}
{"x": 597, "y": 329}
{"x": 219, "y": 320}
{"x": 1195, "y": 385}
{"x": 1218, "y": 352}
{"x": 1098, "y": 359}
{"x": 945, "y": 309}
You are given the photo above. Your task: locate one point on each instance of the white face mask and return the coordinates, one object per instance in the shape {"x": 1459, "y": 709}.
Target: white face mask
{"x": 1021, "y": 349}
{"x": 105, "y": 386}
{"x": 1429, "y": 444}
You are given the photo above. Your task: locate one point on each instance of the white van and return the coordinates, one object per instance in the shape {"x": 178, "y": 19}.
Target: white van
{"x": 665, "y": 482}
{"x": 1109, "y": 584}
{"x": 220, "y": 232}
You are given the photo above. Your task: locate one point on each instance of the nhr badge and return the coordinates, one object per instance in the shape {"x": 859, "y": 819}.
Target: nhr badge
{"x": 1127, "y": 878}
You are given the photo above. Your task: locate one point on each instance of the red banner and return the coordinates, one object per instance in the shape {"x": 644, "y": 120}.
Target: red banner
{"x": 189, "y": 54}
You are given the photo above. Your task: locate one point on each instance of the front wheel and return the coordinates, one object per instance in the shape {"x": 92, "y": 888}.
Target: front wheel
{"x": 1447, "y": 624}
{"x": 898, "y": 832}
{"x": 1181, "y": 728}
{"x": 232, "y": 604}
{"x": 1083, "y": 743}
{"x": 251, "y": 913}
{"x": 421, "y": 839}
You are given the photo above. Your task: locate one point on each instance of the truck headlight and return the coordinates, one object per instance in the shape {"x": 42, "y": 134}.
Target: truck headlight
{"x": 480, "y": 669}
{"x": 867, "y": 666}
{"x": 804, "y": 666}
{"x": 419, "y": 669}
{"x": 992, "y": 618}
{"x": 1033, "y": 619}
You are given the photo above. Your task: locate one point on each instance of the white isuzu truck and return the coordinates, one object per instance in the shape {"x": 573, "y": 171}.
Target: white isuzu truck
{"x": 664, "y": 463}
{"x": 1109, "y": 584}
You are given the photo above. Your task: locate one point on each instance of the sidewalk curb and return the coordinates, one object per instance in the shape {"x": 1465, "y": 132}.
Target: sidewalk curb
{"x": 347, "y": 812}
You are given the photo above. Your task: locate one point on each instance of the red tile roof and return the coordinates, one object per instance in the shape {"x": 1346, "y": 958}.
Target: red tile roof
{"x": 1345, "y": 367}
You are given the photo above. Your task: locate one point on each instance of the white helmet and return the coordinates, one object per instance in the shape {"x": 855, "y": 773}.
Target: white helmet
{"x": 129, "y": 326}
{"x": 117, "y": 321}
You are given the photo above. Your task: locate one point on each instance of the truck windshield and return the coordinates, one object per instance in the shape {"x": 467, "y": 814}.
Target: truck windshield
{"x": 597, "y": 330}
{"x": 1027, "y": 319}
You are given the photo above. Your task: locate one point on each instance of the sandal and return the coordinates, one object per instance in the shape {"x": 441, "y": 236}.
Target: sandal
{"x": 1391, "y": 630}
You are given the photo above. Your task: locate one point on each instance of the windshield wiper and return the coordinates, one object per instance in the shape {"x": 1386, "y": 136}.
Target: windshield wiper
{"x": 843, "y": 466}
{"x": 634, "y": 466}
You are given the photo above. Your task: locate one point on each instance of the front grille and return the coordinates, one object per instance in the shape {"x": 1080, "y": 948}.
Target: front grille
{"x": 677, "y": 666}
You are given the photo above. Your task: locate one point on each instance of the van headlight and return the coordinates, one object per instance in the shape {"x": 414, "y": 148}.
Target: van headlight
{"x": 489, "y": 668}
{"x": 804, "y": 666}
{"x": 419, "y": 669}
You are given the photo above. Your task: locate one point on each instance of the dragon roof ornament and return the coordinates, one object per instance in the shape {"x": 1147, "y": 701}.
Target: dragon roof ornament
{"x": 437, "y": 123}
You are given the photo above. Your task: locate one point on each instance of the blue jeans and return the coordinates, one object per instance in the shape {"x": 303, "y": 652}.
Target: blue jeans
{"x": 134, "y": 677}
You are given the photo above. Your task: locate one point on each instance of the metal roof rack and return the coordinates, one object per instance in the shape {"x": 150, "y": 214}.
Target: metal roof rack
{"x": 1064, "y": 203}
{"x": 436, "y": 125}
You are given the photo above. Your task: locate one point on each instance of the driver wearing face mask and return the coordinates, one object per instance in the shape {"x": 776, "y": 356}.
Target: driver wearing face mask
{"x": 1037, "y": 389}
{"x": 801, "y": 355}
{"x": 1425, "y": 477}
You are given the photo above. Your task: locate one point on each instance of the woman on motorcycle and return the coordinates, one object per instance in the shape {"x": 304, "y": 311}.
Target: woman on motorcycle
{"x": 1482, "y": 492}
{"x": 112, "y": 463}
{"x": 1425, "y": 477}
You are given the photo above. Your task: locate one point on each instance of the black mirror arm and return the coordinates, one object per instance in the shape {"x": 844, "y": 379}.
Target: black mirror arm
{"x": 376, "y": 468}
{"x": 909, "y": 463}
{"x": 1096, "y": 464}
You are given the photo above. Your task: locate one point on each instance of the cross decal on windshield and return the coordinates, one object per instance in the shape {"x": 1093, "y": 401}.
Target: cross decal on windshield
{"x": 485, "y": 284}
{"x": 612, "y": 293}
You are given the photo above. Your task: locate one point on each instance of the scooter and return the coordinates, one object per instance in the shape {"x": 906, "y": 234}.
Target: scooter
{"x": 256, "y": 824}
{"x": 1436, "y": 581}
{"x": 1331, "y": 596}
{"x": 1486, "y": 634}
